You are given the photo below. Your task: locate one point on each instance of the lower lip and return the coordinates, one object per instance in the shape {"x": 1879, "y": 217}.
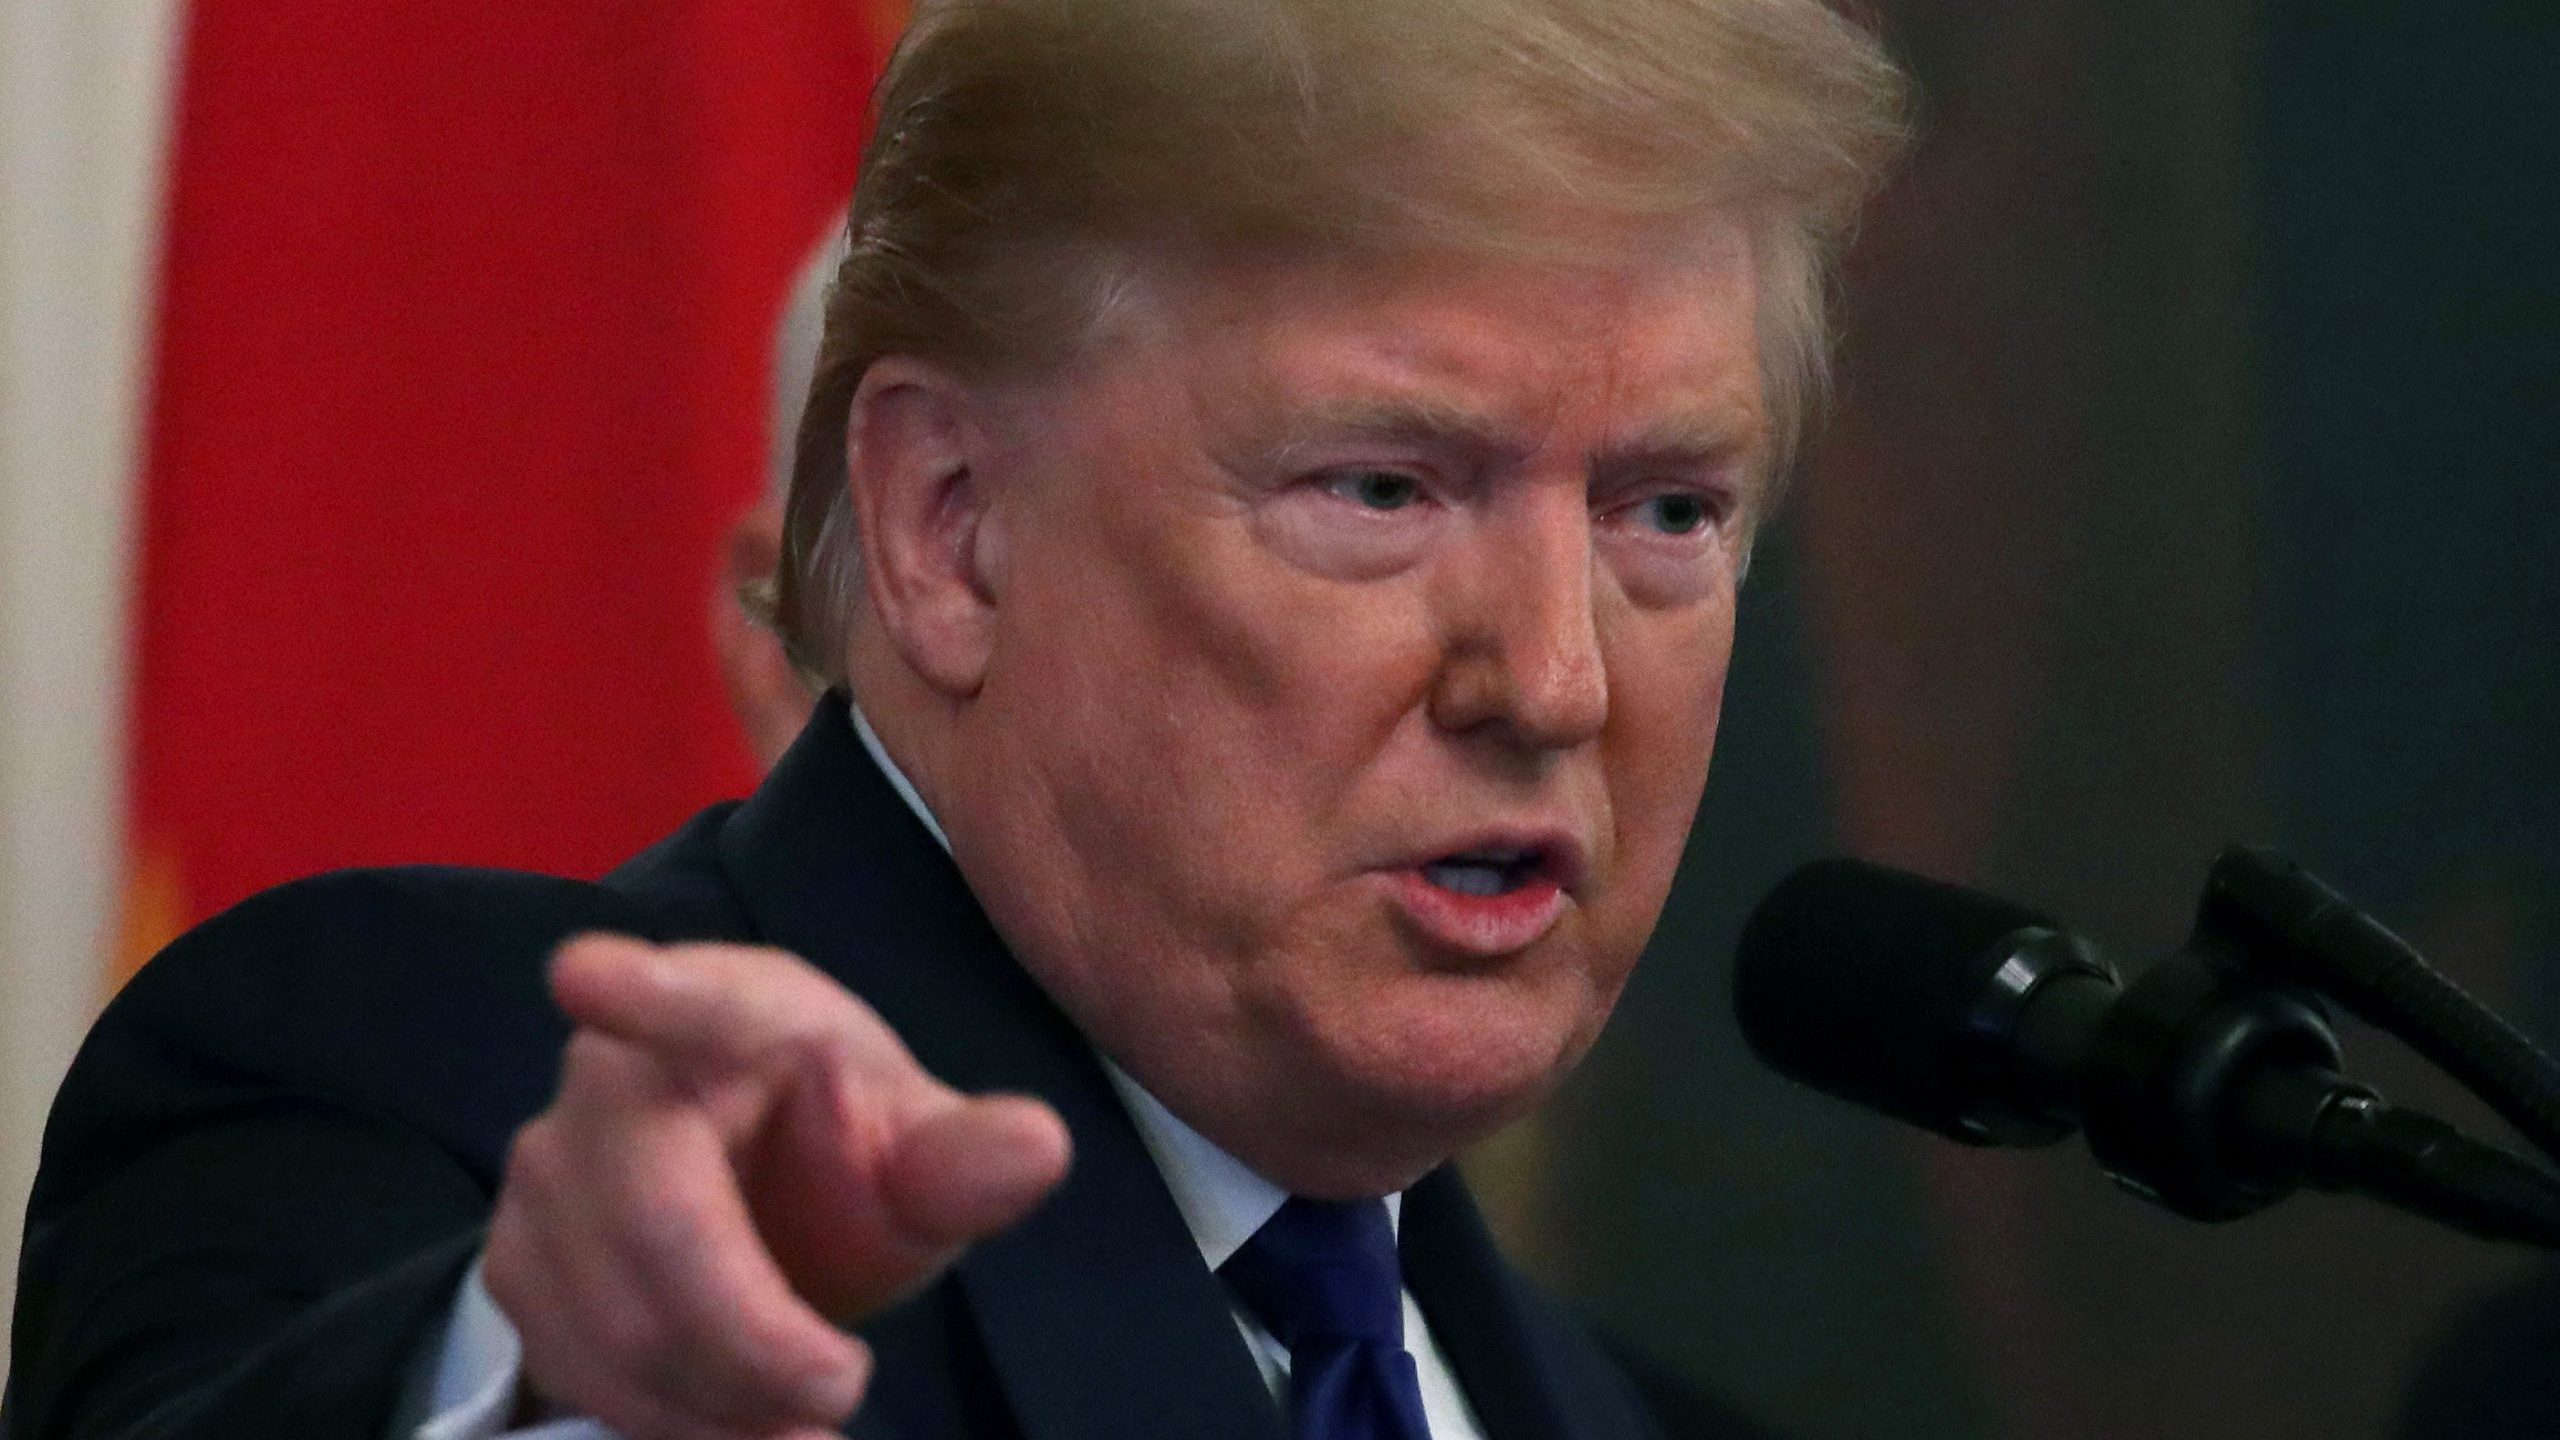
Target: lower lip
{"x": 1485, "y": 926}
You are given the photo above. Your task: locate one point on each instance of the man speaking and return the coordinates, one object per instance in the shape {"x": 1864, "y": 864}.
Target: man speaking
{"x": 1270, "y": 511}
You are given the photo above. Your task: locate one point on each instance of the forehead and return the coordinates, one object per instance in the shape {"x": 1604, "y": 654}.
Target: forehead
{"x": 1658, "y": 339}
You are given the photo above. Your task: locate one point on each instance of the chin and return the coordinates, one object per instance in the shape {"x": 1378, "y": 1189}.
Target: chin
{"x": 1417, "y": 1074}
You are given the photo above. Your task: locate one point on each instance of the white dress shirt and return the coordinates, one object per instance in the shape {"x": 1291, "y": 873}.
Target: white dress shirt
{"x": 465, "y": 1387}
{"x": 1224, "y": 1203}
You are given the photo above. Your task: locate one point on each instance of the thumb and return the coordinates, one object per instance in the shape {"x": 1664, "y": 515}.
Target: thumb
{"x": 973, "y": 1168}
{"x": 857, "y": 1234}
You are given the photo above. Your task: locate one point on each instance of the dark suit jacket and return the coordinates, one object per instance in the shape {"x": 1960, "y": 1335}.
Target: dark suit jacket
{"x": 272, "y": 1162}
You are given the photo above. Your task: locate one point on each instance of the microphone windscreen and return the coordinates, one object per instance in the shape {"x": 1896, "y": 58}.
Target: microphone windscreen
{"x": 1858, "y": 980}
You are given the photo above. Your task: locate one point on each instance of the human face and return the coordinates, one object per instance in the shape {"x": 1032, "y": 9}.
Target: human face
{"x": 1362, "y": 630}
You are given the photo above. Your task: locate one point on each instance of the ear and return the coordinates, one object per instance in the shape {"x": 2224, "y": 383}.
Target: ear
{"x": 915, "y": 443}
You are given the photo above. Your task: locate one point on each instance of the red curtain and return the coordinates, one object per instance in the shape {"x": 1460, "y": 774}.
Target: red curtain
{"x": 461, "y": 369}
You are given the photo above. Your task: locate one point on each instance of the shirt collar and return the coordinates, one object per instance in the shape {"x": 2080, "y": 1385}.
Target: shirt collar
{"x": 1221, "y": 1199}
{"x": 898, "y": 780}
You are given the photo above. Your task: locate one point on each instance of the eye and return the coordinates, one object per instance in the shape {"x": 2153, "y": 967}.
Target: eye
{"x": 1375, "y": 489}
{"x": 1676, "y": 513}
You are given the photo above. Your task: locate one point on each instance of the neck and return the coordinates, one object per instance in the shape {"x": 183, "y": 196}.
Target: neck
{"x": 915, "y": 724}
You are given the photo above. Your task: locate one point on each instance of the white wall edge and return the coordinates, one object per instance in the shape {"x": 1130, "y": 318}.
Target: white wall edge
{"x": 84, "y": 92}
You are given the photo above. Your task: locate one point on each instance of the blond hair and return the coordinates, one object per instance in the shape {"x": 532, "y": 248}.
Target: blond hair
{"x": 1026, "y": 153}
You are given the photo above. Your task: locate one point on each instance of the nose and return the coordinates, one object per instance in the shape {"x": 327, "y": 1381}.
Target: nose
{"x": 1521, "y": 650}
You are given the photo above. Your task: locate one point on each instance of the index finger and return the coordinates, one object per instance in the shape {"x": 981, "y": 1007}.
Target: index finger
{"x": 720, "y": 1007}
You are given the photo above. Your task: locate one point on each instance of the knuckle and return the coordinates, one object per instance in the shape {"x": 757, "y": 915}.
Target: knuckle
{"x": 592, "y": 1058}
{"x": 662, "y": 1222}
{"x": 506, "y": 1266}
{"x": 533, "y": 1157}
{"x": 638, "y": 1337}
{"x": 602, "y": 1077}
{"x": 797, "y": 1054}
{"x": 770, "y": 1363}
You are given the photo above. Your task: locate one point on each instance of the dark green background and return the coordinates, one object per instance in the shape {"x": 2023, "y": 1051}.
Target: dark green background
{"x": 2195, "y": 476}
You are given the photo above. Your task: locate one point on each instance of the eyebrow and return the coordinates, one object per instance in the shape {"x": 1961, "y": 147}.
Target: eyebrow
{"x": 1413, "y": 420}
{"x": 1689, "y": 440}
{"x": 1684, "y": 441}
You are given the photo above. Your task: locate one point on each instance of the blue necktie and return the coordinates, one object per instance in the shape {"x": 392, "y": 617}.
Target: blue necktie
{"x": 1322, "y": 1277}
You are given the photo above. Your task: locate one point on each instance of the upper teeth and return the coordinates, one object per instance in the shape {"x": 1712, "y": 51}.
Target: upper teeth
{"x": 1484, "y": 873}
{"x": 1467, "y": 878}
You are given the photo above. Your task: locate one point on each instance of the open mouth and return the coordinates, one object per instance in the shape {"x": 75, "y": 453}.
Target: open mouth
{"x": 1487, "y": 873}
{"x": 1495, "y": 899}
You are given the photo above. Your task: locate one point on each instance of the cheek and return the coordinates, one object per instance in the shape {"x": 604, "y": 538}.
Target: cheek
{"x": 1282, "y": 683}
{"x": 1206, "y": 712}
{"x": 1669, "y": 700}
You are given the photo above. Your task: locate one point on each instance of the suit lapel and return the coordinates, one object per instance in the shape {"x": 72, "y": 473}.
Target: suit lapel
{"x": 1480, "y": 1317}
{"x": 1097, "y": 1315}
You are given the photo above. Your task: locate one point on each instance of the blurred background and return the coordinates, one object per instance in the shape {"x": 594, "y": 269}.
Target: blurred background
{"x": 376, "y": 395}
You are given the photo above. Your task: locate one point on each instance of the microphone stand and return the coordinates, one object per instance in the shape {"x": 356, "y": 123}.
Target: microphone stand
{"x": 2297, "y": 927}
{"x": 2228, "y": 1043}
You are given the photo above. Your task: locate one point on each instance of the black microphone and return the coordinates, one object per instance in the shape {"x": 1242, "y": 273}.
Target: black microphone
{"x": 2207, "y": 1086}
{"x": 1907, "y": 996}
